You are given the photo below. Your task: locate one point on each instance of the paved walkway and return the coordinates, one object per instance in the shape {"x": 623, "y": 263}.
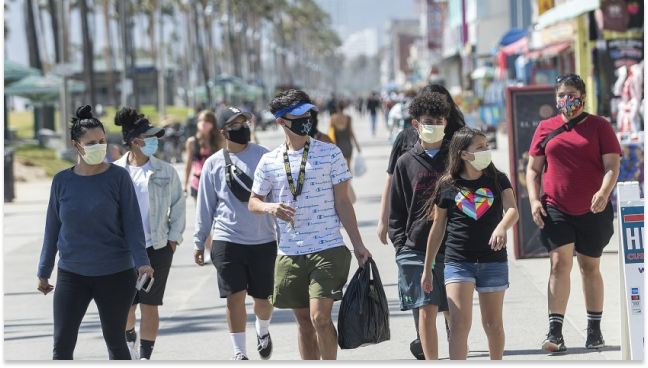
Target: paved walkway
{"x": 193, "y": 325}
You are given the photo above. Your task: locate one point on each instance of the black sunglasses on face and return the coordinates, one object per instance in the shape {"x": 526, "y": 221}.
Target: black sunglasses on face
{"x": 569, "y": 76}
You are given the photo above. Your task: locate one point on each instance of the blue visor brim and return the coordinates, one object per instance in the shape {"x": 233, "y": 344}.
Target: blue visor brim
{"x": 297, "y": 109}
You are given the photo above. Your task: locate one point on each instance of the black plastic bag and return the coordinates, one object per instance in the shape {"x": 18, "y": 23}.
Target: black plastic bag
{"x": 364, "y": 313}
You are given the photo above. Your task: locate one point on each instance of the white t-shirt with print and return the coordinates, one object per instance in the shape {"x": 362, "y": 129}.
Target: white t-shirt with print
{"x": 140, "y": 176}
{"x": 317, "y": 225}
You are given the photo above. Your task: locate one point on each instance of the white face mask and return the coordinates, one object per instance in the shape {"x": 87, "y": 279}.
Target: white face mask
{"x": 95, "y": 154}
{"x": 482, "y": 159}
{"x": 431, "y": 133}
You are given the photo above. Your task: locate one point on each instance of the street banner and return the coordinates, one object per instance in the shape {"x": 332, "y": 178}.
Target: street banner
{"x": 631, "y": 260}
{"x": 526, "y": 108}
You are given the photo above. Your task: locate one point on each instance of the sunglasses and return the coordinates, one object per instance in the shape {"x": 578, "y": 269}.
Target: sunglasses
{"x": 569, "y": 76}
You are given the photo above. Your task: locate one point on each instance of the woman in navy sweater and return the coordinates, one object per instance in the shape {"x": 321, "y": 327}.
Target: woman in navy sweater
{"x": 94, "y": 223}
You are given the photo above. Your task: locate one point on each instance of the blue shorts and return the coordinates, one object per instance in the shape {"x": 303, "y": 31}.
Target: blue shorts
{"x": 487, "y": 277}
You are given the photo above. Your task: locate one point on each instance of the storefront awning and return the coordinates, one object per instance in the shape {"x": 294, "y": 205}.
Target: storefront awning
{"x": 564, "y": 11}
{"x": 549, "y": 50}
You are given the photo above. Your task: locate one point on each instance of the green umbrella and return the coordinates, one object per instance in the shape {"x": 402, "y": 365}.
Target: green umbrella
{"x": 42, "y": 89}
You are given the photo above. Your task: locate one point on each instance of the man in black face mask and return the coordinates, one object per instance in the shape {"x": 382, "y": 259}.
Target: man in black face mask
{"x": 244, "y": 245}
{"x": 306, "y": 182}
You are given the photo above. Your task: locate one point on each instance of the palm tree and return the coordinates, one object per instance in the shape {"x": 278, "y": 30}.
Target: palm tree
{"x": 88, "y": 54}
{"x": 108, "y": 52}
{"x": 32, "y": 35}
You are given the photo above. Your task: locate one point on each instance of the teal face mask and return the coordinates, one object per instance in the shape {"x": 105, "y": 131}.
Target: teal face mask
{"x": 151, "y": 146}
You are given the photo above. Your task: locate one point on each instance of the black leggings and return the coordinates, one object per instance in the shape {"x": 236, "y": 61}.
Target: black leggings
{"x": 113, "y": 295}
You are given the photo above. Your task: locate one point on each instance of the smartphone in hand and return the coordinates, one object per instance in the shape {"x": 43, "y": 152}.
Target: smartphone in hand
{"x": 144, "y": 283}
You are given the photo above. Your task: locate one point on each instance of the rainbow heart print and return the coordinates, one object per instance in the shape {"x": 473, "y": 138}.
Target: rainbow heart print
{"x": 475, "y": 204}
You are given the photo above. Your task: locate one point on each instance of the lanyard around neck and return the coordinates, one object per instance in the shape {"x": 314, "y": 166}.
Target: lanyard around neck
{"x": 302, "y": 170}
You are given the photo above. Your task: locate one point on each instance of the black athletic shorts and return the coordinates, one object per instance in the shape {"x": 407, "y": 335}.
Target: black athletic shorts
{"x": 161, "y": 263}
{"x": 591, "y": 232}
{"x": 244, "y": 267}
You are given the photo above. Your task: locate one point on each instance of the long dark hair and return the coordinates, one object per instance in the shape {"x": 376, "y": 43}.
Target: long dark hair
{"x": 460, "y": 142}
{"x": 456, "y": 119}
{"x": 128, "y": 118}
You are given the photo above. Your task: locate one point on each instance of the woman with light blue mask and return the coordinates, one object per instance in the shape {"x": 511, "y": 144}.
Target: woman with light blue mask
{"x": 162, "y": 206}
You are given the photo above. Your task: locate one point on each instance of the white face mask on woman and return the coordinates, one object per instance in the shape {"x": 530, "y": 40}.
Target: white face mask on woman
{"x": 94, "y": 154}
{"x": 482, "y": 159}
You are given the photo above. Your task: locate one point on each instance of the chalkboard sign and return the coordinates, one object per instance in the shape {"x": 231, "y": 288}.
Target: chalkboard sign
{"x": 527, "y": 107}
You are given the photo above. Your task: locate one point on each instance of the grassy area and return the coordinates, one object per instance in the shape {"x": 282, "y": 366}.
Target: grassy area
{"x": 23, "y": 122}
{"x": 33, "y": 155}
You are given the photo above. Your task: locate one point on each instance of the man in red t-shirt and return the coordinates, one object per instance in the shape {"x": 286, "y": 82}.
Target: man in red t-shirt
{"x": 579, "y": 168}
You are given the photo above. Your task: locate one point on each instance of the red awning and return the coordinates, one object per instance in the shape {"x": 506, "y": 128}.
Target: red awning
{"x": 549, "y": 51}
{"x": 520, "y": 46}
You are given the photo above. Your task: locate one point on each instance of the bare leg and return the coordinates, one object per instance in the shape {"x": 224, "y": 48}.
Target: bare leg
{"x": 428, "y": 331}
{"x": 592, "y": 282}
{"x": 320, "y": 311}
{"x": 235, "y": 312}
{"x": 491, "y": 310}
{"x": 460, "y": 303}
{"x": 132, "y": 320}
{"x": 150, "y": 323}
{"x": 562, "y": 260}
{"x": 263, "y": 309}
{"x": 306, "y": 336}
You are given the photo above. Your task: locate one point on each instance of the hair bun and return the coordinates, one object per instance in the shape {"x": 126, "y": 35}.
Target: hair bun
{"x": 84, "y": 112}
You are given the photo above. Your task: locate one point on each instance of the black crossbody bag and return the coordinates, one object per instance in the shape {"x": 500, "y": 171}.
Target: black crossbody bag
{"x": 239, "y": 191}
{"x": 563, "y": 128}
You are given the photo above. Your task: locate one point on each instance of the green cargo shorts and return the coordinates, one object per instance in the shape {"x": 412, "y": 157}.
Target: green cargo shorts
{"x": 316, "y": 275}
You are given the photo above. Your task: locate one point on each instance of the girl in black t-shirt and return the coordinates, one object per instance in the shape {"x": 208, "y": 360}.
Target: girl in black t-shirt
{"x": 476, "y": 202}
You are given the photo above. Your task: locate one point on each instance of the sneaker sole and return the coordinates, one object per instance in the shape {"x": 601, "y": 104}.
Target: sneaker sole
{"x": 550, "y": 346}
{"x": 602, "y": 345}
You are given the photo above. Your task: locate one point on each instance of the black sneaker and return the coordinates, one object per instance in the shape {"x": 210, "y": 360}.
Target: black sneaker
{"x": 264, "y": 346}
{"x": 594, "y": 339}
{"x": 554, "y": 343}
{"x": 417, "y": 349}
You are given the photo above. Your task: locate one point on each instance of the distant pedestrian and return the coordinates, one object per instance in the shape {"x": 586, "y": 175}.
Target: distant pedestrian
{"x": 162, "y": 207}
{"x": 304, "y": 184}
{"x": 94, "y": 224}
{"x": 414, "y": 179}
{"x": 404, "y": 142}
{"x": 373, "y": 104}
{"x": 314, "y": 132}
{"x": 205, "y": 143}
{"x": 244, "y": 245}
{"x": 475, "y": 203}
{"x": 345, "y": 138}
{"x": 579, "y": 168}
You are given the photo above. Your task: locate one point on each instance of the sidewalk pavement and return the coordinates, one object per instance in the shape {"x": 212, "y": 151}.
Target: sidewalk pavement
{"x": 193, "y": 325}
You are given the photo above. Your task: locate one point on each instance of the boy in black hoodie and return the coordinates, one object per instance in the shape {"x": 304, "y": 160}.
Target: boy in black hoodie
{"x": 413, "y": 182}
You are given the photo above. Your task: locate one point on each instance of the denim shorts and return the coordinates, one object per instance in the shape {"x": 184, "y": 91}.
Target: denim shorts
{"x": 487, "y": 277}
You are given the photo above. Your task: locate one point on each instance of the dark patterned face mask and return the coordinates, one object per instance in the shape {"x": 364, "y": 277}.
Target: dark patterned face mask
{"x": 300, "y": 126}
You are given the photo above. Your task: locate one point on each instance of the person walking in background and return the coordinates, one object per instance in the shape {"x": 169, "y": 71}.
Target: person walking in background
{"x": 373, "y": 104}
{"x": 343, "y": 131}
{"x": 199, "y": 147}
{"x": 309, "y": 199}
{"x": 404, "y": 142}
{"x": 314, "y": 132}
{"x": 244, "y": 245}
{"x": 94, "y": 224}
{"x": 162, "y": 207}
{"x": 415, "y": 177}
{"x": 475, "y": 203}
{"x": 574, "y": 213}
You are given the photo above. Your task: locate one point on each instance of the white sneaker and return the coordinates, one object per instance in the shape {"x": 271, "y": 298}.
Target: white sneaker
{"x": 207, "y": 258}
{"x": 132, "y": 348}
{"x": 143, "y": 359}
